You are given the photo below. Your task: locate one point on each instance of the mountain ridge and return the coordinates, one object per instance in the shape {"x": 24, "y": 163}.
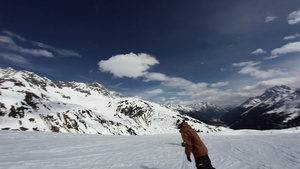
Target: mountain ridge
{"x": 278, "y": 107}
{"x": 34, "y": 103}
{"x": 204, "y": 111}
{"x": 29, "y": 102}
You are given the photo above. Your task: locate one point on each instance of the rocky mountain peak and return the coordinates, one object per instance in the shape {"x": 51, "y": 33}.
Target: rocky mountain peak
{"x": 270, "y": 96}
{"x": 277, "y": 107}
{"x": 24, "y": 78}
{"x": 277, "y": 91}
{"x": 29, "y": 102}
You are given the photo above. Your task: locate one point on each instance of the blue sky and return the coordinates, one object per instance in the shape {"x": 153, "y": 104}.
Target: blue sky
{"x": 179, "y": 52}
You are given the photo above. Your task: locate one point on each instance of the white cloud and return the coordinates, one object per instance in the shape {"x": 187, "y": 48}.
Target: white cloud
{"x": 242, "y": 93}
{"x": 182, "y": 90}
{"x": 270, "y": 18}
{"x": 183, "y": 87}
{"x": 133, "y": 66}
{"x": 219, "y": 84}
{"x": 289, "y": 81}
{"x": 163, "y": 99}
{"x": 11, "y": 34}
{"x": 35, "y": 52}
{"x": 6, "y": 40}
{"x": 181, "y": 83}
{"x": 258, "y": 51}
{"x": 249, "y": 63}
{"x": 271, "y": 57}
{"x": 291, "y": 37}
{"x": 294, "y": 17}
{"x": 21, "y": 61}
{"x": 7, "y": 43}
{"x": 174, "y": 82}
{"x": 16, "y": 59}
{"x": 128, "y": 65}
{"x": 156, "y": 91}
{"x": 253, "y": 70}
{"x": 155, "y": 77}
{"x": 288, "y": 48}
{"x": 63, "y": 52}
{"x": 178, "y": 87}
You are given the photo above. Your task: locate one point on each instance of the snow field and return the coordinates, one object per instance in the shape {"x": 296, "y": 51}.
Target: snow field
{"x": 74, "y": 107}
{"x": 227, "y": 150}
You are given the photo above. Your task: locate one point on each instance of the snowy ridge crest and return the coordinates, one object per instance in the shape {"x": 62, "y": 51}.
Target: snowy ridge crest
{"x": 204, "y": 111}
{"x": 29, "y": 102}
{"x": 278, "y": 107}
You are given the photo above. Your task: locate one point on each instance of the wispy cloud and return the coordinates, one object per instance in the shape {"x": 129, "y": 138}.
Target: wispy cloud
{"x": 23, "y": 62}
{"x": 270, "y": 18}
{"x": 138, "y": 65}
{"x": 183, "y": 91}
{"x": 291, "y": 37}
{"x": 155, "y": 76}
{"x": 8, "y": 42}
{"x": 285, "y": 49}
{"x": 293, "y": 17}
{"x": 258, "y": 51}
{"x": 288, "y": 48}
{"x": 219, "y": 84}
{"x": 271, "y": 57}
{"x": 254, "y": 70}
{"x": 175, "y": 82}
{"x": 16, "y": 59}
{"x": 289, "y": 81}
{"x": 26, "y": 51}
{"x": 63, "y": 52}
{"x": 245, "y": 64}
{"x": 156, "y": 91}
{"x": 14, "y": 35}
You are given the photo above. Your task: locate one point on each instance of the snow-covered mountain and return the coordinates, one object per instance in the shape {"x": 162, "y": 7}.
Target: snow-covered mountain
{"x": 29, "y": 102}
{"x": 277, "y": 107}
{"x": 204, "y": 111}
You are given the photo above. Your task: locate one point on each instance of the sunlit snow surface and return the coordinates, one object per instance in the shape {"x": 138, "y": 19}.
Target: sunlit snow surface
{"x": 228, "y": 150}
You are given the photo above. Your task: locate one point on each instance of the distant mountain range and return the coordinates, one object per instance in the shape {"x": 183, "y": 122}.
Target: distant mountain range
{"x": 278, "y": 107}
{"x": 204, "y": 111}
{"x": 29, "y": 102}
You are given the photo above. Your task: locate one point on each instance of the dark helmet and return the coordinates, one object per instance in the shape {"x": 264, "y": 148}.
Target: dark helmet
{"x": 179, "y": 123}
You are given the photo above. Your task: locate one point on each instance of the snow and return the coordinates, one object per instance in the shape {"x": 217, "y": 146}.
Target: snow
{"x": 58, "y": 102}
{"x": 244, "y": 149}
{"x": 156, "y": 147}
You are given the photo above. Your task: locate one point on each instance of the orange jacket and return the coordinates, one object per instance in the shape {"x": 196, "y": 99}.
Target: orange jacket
{"x": 193, "y": 143}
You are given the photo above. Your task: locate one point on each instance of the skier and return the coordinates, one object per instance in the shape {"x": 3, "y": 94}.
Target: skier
{"x": 193, "y": 144}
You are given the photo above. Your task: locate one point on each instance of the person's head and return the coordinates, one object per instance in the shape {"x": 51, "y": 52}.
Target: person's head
{"x": 179, "y": 123}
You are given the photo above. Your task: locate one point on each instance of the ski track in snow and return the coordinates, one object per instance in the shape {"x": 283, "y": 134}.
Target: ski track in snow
{"x": 241, "y": 150}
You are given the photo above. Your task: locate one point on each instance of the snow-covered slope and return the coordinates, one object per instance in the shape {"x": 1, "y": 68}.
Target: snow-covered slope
{"x": 204, "y": 111}
{"x": 277, "y": 107}
{"x": 227, "y": 150}
{"x": 29, "y": 102}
